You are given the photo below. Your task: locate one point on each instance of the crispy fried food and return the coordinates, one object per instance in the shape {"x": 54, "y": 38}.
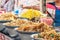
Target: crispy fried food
{"x": 17, "y": 22}
{"x": 35, "y": 27}
{"x": 50, "y": 35}
{"x": 8, "y": 16}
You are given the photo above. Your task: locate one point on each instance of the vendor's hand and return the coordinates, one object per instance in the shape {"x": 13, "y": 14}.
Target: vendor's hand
{"x": 47, "y": 20}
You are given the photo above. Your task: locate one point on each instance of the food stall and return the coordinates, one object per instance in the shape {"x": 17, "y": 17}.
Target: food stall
{"x": 23, "y": 23}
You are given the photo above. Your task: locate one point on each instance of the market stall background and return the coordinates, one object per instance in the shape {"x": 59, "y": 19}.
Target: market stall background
{"x": 16, "y": 9}
{"x": 14, "y": 20}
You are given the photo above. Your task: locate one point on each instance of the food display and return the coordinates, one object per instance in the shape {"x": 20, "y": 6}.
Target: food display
{"x": 28, "y": 20}
{"x": 31, "y": 13}
{"x": 8, "y": 16}
{"x": 45, "y": 32}
{"x": 17, "y": 22}
{"x": 37, "y": 27}
{"x": 50, "y": 35}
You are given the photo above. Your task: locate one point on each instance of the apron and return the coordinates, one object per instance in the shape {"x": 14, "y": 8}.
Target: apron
{"x": 56, "y": 22}
{"x": 57, "y": 17}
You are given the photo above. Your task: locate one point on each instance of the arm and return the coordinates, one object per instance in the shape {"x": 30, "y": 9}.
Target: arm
{"x": 47, "y": 20}
{"x": 2, "y": 3}
{"x": 9, "y": 6}
{"x": 31, "y": 7}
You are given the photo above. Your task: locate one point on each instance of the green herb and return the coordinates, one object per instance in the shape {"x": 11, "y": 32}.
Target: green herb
{"x": 52, "y": 35}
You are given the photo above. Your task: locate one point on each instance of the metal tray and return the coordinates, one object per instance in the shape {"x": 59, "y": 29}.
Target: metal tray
{"x": 23, "y": 32}
{"x": 4, "y": 21}
{"x": 11, "y": 26}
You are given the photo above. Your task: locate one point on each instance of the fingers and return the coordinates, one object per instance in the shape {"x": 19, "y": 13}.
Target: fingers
{"x": 48, "y": 21}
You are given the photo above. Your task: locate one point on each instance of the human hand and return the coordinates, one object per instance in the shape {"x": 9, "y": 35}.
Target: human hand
{"x": 47, "y": 20}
